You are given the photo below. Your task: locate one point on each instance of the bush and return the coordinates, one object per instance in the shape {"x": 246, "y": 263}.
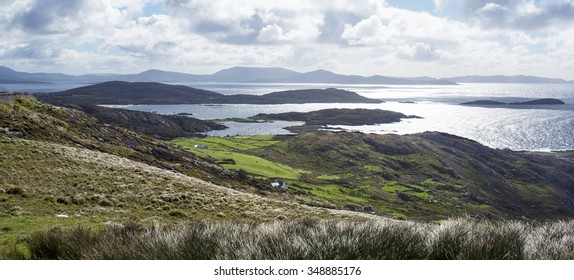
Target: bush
{"x": 15, "y": 191}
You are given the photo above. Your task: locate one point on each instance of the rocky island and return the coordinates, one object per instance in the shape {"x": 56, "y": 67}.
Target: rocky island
{"x": 542, "y": 101}
{"x": 317, "y": 119}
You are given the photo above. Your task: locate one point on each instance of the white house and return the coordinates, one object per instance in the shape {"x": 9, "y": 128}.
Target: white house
{"x": 200, "y": 146}
{"x": 278, "y": 184}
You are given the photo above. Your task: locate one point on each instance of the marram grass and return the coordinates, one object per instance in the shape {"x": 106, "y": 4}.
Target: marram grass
{"x": 308, "y": 239}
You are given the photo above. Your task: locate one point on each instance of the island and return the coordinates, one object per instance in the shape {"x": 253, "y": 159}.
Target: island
{"x": 125, "y": 93}
{"x": 542, "y": 101}
{"x": 318, "y": 119}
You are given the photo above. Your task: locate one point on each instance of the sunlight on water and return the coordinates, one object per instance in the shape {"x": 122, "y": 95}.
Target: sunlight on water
{"x": 516, "y": 128}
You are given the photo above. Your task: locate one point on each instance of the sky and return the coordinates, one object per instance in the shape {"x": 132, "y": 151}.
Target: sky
{"x": 408, "y": 38}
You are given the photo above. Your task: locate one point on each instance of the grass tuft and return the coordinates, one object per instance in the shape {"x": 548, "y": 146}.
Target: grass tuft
{"x": 309, "y": 239}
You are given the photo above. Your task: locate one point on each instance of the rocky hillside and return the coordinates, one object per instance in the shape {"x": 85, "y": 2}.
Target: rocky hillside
{"x": 428, "y": 175}
{"x": 423, "y": 176}
{"x": 30, "y": 119}
{"x": 163, "y": 127}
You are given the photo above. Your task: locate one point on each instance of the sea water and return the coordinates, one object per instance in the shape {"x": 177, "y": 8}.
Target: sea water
{"x": 532, "y": 128}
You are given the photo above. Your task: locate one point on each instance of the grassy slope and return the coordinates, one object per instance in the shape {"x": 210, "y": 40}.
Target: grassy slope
{"x": 58, "y": 167}
{"x": 228, "y": 152}
{"x": 427, "y": 176}
{"x": 60, "y": 162}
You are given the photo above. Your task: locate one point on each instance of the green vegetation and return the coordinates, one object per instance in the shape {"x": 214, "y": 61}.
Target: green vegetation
{"x": 229, "y": 144}
{"x": 227, "y": 152}
{"x": 457, "y": 239}
{"x": 418, "y": 176}
{"x": 72, "y": 187}
{"x": 61, "y": 167}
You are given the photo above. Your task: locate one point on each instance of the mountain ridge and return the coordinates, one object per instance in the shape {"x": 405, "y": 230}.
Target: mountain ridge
{"x": 507, "y": 79}
{"x": 230, "y": 75}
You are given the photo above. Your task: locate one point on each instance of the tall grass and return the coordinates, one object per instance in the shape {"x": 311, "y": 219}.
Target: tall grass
{"x": 307, "y": 239}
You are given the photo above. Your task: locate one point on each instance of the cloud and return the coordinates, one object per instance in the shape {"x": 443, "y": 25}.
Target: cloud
{"x": 418, "y": 52}
{"x": 518, "y": 14}
{"x": 271, "y": 33}
{"x": 48, "y": 17}
{"x": 355, "y": 37}
{"x": 440, "y": 5}
{"x": 333, "y": 26}
{"x": 249, "y": 22}
{"x": 367, "y": 32}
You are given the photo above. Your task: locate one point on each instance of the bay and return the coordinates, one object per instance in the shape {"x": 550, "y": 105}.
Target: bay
{"x": 530, "y": 128}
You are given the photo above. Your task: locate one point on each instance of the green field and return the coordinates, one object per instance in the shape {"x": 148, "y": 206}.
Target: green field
{"x": 230, "y": 152}
{"x": 344, "y": 187}
{"x": 354, "y": 171}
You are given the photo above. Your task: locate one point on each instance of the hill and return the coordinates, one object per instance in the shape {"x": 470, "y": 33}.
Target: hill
{"x": 158, "y": 126}
{"x": 116, "y": 194}
{"x": 422, "y": 176}
{"x": 131, "y": 93}
{"x": 155, "y": 93}
{"x": 59, "y": 166}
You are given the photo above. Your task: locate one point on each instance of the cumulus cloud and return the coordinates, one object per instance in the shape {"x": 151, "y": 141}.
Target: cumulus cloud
{"x": 370, "y": 31}
{"x": 418, "y": 52}
{"x": 334, "y": 25}
{"x": 360, "y": 37}
{"x": 249, "y": 22}
{"x": 518, "y": 14}
{"x": 47, "y": 17}
{"x": 73, "y": 16}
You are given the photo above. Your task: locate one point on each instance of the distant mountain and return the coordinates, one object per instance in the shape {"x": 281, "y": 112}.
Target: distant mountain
{"x": 279, "y": 75}
{"x": 156, "y": 93}
{"x": 506, "y": 79}
{"x": 259, "y": 75}
{"x": 231, "y": 75}
{"x": 155, "y": 75}
{"x": 8, "y": 75}
{"x": 251, "y": 75}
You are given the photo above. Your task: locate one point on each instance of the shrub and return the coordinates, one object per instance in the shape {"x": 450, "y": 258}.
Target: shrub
{"x": 15, "y": 191}
{"x": 62, "y": 200}
{"x": 178, "y": 214}
{"x": 106, "y": 203}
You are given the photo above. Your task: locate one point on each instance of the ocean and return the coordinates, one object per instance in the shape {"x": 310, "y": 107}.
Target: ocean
{"x": 528, "y": 128}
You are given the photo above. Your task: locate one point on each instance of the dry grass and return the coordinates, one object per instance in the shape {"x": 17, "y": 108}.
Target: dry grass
{"x": 50, "y": 178}
{"x": 306, "y": 239}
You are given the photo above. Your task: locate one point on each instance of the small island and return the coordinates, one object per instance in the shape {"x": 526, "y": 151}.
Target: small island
{"x": 542, "y": 101}
{"x": 318, "y": 119}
